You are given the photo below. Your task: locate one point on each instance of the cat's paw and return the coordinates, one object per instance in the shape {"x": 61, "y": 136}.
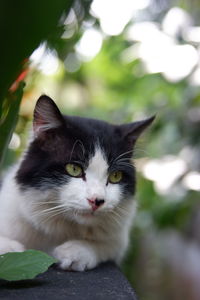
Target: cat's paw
{"x": 7, "y": 245}
{"x": 75, "y": 256}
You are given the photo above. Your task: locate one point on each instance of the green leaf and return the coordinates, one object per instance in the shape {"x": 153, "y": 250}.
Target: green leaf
{"x": 24, "y": 265}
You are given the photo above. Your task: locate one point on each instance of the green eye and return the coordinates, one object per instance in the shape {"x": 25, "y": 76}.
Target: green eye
{"x": 115, "y": 177}
{"x": 74, "y": 170}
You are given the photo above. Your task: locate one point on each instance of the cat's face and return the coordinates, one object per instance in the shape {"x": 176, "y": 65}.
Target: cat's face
{"x": 83, "y": 165}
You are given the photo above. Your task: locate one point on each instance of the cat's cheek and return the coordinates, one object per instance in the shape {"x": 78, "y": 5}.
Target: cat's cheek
{"x": 75, "y": 256}
{"x": 73, "y": 192}
{"x": 113, "y": 195}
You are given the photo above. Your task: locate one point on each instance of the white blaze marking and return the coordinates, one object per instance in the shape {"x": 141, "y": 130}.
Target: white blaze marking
{"x": 96, "y": 175}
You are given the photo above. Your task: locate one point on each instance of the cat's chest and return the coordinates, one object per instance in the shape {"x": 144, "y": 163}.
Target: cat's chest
{"x": 56, "y": 234}
{"x": 60, "y": 232}
{"x": 78, "y": 231}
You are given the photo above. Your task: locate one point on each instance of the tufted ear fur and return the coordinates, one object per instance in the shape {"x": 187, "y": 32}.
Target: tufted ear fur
{"x": 133, "y": 130}
{"x": 46, "y": 115}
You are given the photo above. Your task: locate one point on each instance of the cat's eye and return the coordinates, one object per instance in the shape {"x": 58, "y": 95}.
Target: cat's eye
{"x": 74, "y": 170}
{"x": 115, "y": 177}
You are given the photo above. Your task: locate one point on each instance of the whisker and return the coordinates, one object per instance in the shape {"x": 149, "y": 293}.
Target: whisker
{"x": 124, "y": 159}
{"x": 116, "y": 221}
{"x": 54, "y": 208}
{"x": 118, "y": 215}
{"x": 123, "y": 210}
{"x": 45, "y": 203}
{"x": 53, "y": 215}
{"x": 74, "y": 145}
{"x": 121, "y": 155}
{"x": 51, "y": 211}
{"x": 82, "y": 148}
{"x": 50, "y": 215}
{"x": 137, "y": 151}
{"x": 126, "y": 165}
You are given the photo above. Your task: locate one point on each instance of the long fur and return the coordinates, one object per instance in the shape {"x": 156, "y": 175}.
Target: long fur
{"x": 43, "y": 207}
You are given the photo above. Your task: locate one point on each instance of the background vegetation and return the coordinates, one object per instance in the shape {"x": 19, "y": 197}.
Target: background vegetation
{"x": 120, "y": 61}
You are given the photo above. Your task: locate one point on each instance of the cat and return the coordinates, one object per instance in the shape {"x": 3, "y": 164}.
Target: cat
{"x": 71, "y": 194}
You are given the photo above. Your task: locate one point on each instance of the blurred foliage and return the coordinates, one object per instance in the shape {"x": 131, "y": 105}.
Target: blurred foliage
{"x": 23, "y": 26}
{"x": 113, "y": 87}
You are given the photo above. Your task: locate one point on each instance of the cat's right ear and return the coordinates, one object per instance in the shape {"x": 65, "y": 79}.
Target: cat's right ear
{"x": 46, "y": 115}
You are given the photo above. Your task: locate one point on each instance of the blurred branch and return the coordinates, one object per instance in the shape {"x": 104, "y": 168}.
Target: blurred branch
{"x": 8, "y": 124}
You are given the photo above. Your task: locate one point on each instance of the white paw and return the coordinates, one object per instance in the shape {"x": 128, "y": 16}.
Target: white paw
{"x": 7, "y": 245}
{"x": 76, "y": 256}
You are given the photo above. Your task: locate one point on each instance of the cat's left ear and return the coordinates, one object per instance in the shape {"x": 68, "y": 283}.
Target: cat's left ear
{"x": 46, "y": 115}
{"x": 132, "y": 131}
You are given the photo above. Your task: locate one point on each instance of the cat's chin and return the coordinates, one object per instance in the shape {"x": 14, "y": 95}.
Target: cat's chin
{"x": 86, "y": 218}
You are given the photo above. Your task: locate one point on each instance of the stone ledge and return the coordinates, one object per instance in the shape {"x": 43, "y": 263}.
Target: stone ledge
{"x": 106, "y": 282}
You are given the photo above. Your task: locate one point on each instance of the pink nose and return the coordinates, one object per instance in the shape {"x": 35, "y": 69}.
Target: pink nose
{"x": 95, "y": 203}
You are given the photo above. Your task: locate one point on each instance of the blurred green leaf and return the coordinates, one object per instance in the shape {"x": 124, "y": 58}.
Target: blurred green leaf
{"x": 24, "y": 265}
{"x": 172, "y": 215}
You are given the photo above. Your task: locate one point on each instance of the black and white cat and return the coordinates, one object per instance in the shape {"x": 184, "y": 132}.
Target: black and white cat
{"x": 72, "y": 193}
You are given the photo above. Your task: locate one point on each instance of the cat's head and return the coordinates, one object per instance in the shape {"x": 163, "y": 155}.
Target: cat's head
{"x": 83, "y": 165}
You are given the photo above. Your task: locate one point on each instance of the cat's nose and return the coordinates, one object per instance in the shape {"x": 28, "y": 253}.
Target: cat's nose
{"x": 95, "y": 203}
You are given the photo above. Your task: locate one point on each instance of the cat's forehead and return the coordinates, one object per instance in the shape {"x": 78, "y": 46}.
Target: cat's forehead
{"x": 92, "y": 130}
{"x": 87, "y": 139}
{"x": 82, "y": 126}
{"x": 97, "y": 141}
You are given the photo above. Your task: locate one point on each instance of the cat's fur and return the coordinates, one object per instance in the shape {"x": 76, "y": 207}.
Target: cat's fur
{"x": 42, "y": 207}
